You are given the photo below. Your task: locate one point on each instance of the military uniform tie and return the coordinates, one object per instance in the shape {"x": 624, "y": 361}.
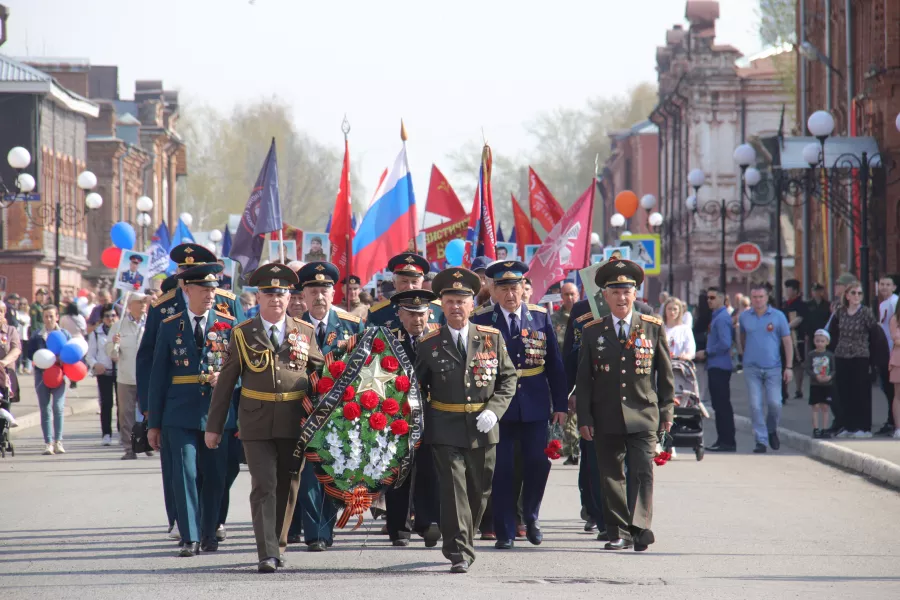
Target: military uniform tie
{"x": 622, "y": 337}
{"x": 514, "y": 330}
{"x": 320, "y": 334}
{"x": 460, "y": 347}
{"x": 198, "y": 332}
{"x": 273, "y": 336}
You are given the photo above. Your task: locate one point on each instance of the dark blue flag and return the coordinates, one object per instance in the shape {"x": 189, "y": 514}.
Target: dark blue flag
{"x": 262, "y": 215}
{"x": 328, "y": 226}
{"x": 512, "y": 236}
{"x": 500, "y": 233}
{"x": 226, "y": 241}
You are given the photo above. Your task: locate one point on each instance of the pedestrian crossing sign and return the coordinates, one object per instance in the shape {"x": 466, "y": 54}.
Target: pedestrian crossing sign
{"x": 645, "y": 251}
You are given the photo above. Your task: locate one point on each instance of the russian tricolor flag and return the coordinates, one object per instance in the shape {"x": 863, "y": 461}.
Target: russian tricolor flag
{"x": 390, "y": 223}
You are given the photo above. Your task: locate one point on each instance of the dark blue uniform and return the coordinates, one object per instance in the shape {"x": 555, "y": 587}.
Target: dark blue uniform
{"x": 179, "y": 402}
{"x": 132, "y": 278}
{"x": 541, "y": 390}
{"x": 313, "y": 510}
{"x": 384, "y": 314}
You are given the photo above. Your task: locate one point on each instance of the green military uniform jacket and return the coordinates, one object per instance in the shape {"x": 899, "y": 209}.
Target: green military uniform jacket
{"x": 624, "y": 388}
{"x": 276, "y": 381}
{"x": 458, "y": 388}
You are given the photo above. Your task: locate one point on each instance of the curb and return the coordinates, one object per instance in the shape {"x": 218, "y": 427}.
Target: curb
{"x": 33, "y": 419}
{"x": 859, "y": 462}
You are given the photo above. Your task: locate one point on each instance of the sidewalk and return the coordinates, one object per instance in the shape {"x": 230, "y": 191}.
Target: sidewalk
{"x": 877, "y": 457}
{"x": 27, "y": 412}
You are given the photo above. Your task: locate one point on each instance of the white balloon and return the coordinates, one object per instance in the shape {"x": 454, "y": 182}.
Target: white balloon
{"x": 82, "y": 343}
{"x": 82, "y": 301}
{"x": 44, "y": 359}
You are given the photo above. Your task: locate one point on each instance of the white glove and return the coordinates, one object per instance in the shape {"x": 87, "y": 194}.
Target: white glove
{"x": 486, "y": 421}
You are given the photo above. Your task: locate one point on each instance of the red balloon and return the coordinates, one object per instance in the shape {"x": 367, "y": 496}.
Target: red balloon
{"x": 75, "y": 371}
{"x": 53, "y": 377}
{"x": 110, "y": 257}
{"x": 626, "y": 203}
{"x": 83, "y": 293}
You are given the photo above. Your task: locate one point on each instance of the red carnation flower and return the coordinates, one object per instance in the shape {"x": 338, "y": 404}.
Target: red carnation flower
{"x": 378, "y": 421}
{"x": 402, "y": 383}
{"x": 552, "y": 454}
{"x": 324, "y": 386}
{"x": 399, "y": 427}
{"x": 221, "y": 326}
{"x": 349, "y": 393}
{"x": 406, "y": 409}
{"x": 369, "y": 360}
{"x": 369, "y": 400}
{"x": 390, "y": 406}
{"x": 377, "y": 345}
{"x": 555, "y": 445}
{"x": 337, "y": 368}
{"x": 352, "y": 411}
{"x": 390, "y": 363}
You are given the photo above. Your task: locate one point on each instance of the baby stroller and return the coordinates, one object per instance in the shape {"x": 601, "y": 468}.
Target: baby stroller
{"x": 687, "y": 431}
{"x": 6, "y": 444}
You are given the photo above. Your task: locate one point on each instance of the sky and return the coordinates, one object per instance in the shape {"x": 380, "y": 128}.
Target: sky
{"x": 452, "y": 71}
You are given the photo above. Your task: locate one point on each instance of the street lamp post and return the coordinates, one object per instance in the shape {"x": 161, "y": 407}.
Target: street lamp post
{"x": 215, "y": 236}
{"x": 18, "y": 158}
{"x": 144, "y": 205}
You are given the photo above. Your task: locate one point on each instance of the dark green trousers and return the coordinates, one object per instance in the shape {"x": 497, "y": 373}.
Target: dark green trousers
{"x": 627, "y": 505}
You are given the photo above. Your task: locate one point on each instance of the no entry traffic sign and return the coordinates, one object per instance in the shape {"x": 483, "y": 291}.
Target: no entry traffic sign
{"x": 747, "y": 257}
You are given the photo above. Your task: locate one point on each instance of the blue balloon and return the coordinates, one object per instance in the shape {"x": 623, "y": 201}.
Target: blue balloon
{"x": 55, "y": 342}
{"x": 454, "y": 252}
{"x": 122, "y": 235}
{"x": 71, "y": 353}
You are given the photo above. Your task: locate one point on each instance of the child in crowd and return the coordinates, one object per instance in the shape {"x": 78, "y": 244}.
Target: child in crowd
{"x": 820, "y": 367}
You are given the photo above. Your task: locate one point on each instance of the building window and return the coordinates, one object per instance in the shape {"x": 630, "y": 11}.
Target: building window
{"x": 628, "y": 178}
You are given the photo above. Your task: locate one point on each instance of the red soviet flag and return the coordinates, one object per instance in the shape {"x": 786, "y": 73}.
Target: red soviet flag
{"x": 566, "y": 247}
{"x": 544, "y": 206}
{"x": 525, "y": 233}
{"x": 442, "y": 200}
{"x": 341, "y": 234}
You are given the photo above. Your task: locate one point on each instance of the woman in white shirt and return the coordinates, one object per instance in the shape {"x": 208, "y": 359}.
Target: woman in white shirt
{"x": 122, "y": 346}
{"x": 679, "y": 335}
{"x": 102, "y": 366}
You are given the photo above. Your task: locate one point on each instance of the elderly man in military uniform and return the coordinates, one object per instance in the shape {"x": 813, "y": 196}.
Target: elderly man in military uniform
{"x": 421, "y": 487}
{"x": 531, "y": 342}
{"x": 355, "y": 307}
{"x": 275, "y": 356}
{"x": 467, "y": 375}
{"x": 336, "y": 332}
{"x": 409, "y": 271}
{"x": 132, "y": 277}
{"x": 624, "y": 397}
{"x": 174, "y": 301}
{"x": 186, "y": 362}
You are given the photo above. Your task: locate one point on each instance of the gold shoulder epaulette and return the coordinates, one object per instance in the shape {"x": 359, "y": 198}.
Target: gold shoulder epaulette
{"x": 225, "y": 316}
{"x": 302, "y": 322}
{"x": 164, "y": 298}
{"x": 173, "y": 317}
{"x": 487, "y": 329}
{"x": 347, "y": 316}
{"x": 379, "y": 306}
{"x": 430, "y": 335}
{"x": 432, "y": 327}
{"x": 244, "y": 322}
{"x": 536, "y": 307}
{"x": 594, "y": 322}
{"x": 484, "y": 309}
{"x": 651, "y": 319}
{"x": 585, "y": 317}
{"x": 436, "y": 302}
{"x": 226, "y": 293}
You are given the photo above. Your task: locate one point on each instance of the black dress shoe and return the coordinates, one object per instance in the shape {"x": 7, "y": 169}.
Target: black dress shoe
{"x": 316, "y": 546}
{"x": 642, "y": 538}
{"x": 329, "y": 543}
{"x": 460, "y": 567}
{"x": 640, "y": 547}
{"x": 268, "y": 565}
{"x": 209, "y": 545}
{"x": 504, "y": 544}
{"x": 618, "y": 544}
{"x": 721, "y": 448}
{"x": 281, "y": 561}
{"x": 603, "y": 536}
{"x": 774, "y": 442}
{"x": 221, "y": 534}
{"x": 572, "y": 460}
{"x": 189, "y": 549}
{"x": 534, "y": 534}
{"x": 401, "y": 542}
{"x": 295, "y": 539}
{"x": 589, "y": 525}
{"x": 760, "y": 449}
{"x": 432, "y": 535}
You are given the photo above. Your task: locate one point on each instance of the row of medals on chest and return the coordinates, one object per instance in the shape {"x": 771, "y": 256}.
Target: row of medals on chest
{"x": 216, "y": 343}
{"x": 643, "y": 351}
{"x": 299, "y": 343}
{"x": 484, "y": 367}
{"x": 535, "y": 343}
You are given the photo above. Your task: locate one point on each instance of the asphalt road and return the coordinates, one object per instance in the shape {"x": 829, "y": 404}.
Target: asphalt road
{"x": 87, "y": 525}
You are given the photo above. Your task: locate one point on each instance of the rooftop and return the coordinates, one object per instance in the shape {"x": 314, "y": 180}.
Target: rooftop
{"x": 17, "y": 77}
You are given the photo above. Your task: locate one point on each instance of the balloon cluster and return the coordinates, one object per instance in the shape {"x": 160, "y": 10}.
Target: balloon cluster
{"x": 123, "y": 238}
{"x": 454, "y": 251}
{"x": 60, "y": 358}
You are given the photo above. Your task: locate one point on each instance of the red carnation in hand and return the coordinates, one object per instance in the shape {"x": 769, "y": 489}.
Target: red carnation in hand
{"x": 390, "y": 363}
{"x": 349, "y": 393}
{"x": 399, "y": 427}
{"x": 390, "y": 406}
{"x": 378, "y": 421}
{"x": 406, "y": 409}
{"x": 352, "y": 411}
{"x": 369, "y": 400}
{"x": 555, "y": 445}
{"x": 552, "y": 454}
{"x": 324, "y": 386}
{"x": 377, "y": 345}
{"x": 337, "y": 368}
{"x": 402, "y": 383}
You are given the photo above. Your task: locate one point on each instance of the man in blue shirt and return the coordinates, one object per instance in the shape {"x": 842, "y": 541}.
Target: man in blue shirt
{"x": 763, "y": 328}
{"x": 718, "y": 370}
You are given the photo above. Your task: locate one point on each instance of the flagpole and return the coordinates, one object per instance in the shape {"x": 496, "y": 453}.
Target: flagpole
{"x": 412, "y": 218}
{"x": 348, "y": 243}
